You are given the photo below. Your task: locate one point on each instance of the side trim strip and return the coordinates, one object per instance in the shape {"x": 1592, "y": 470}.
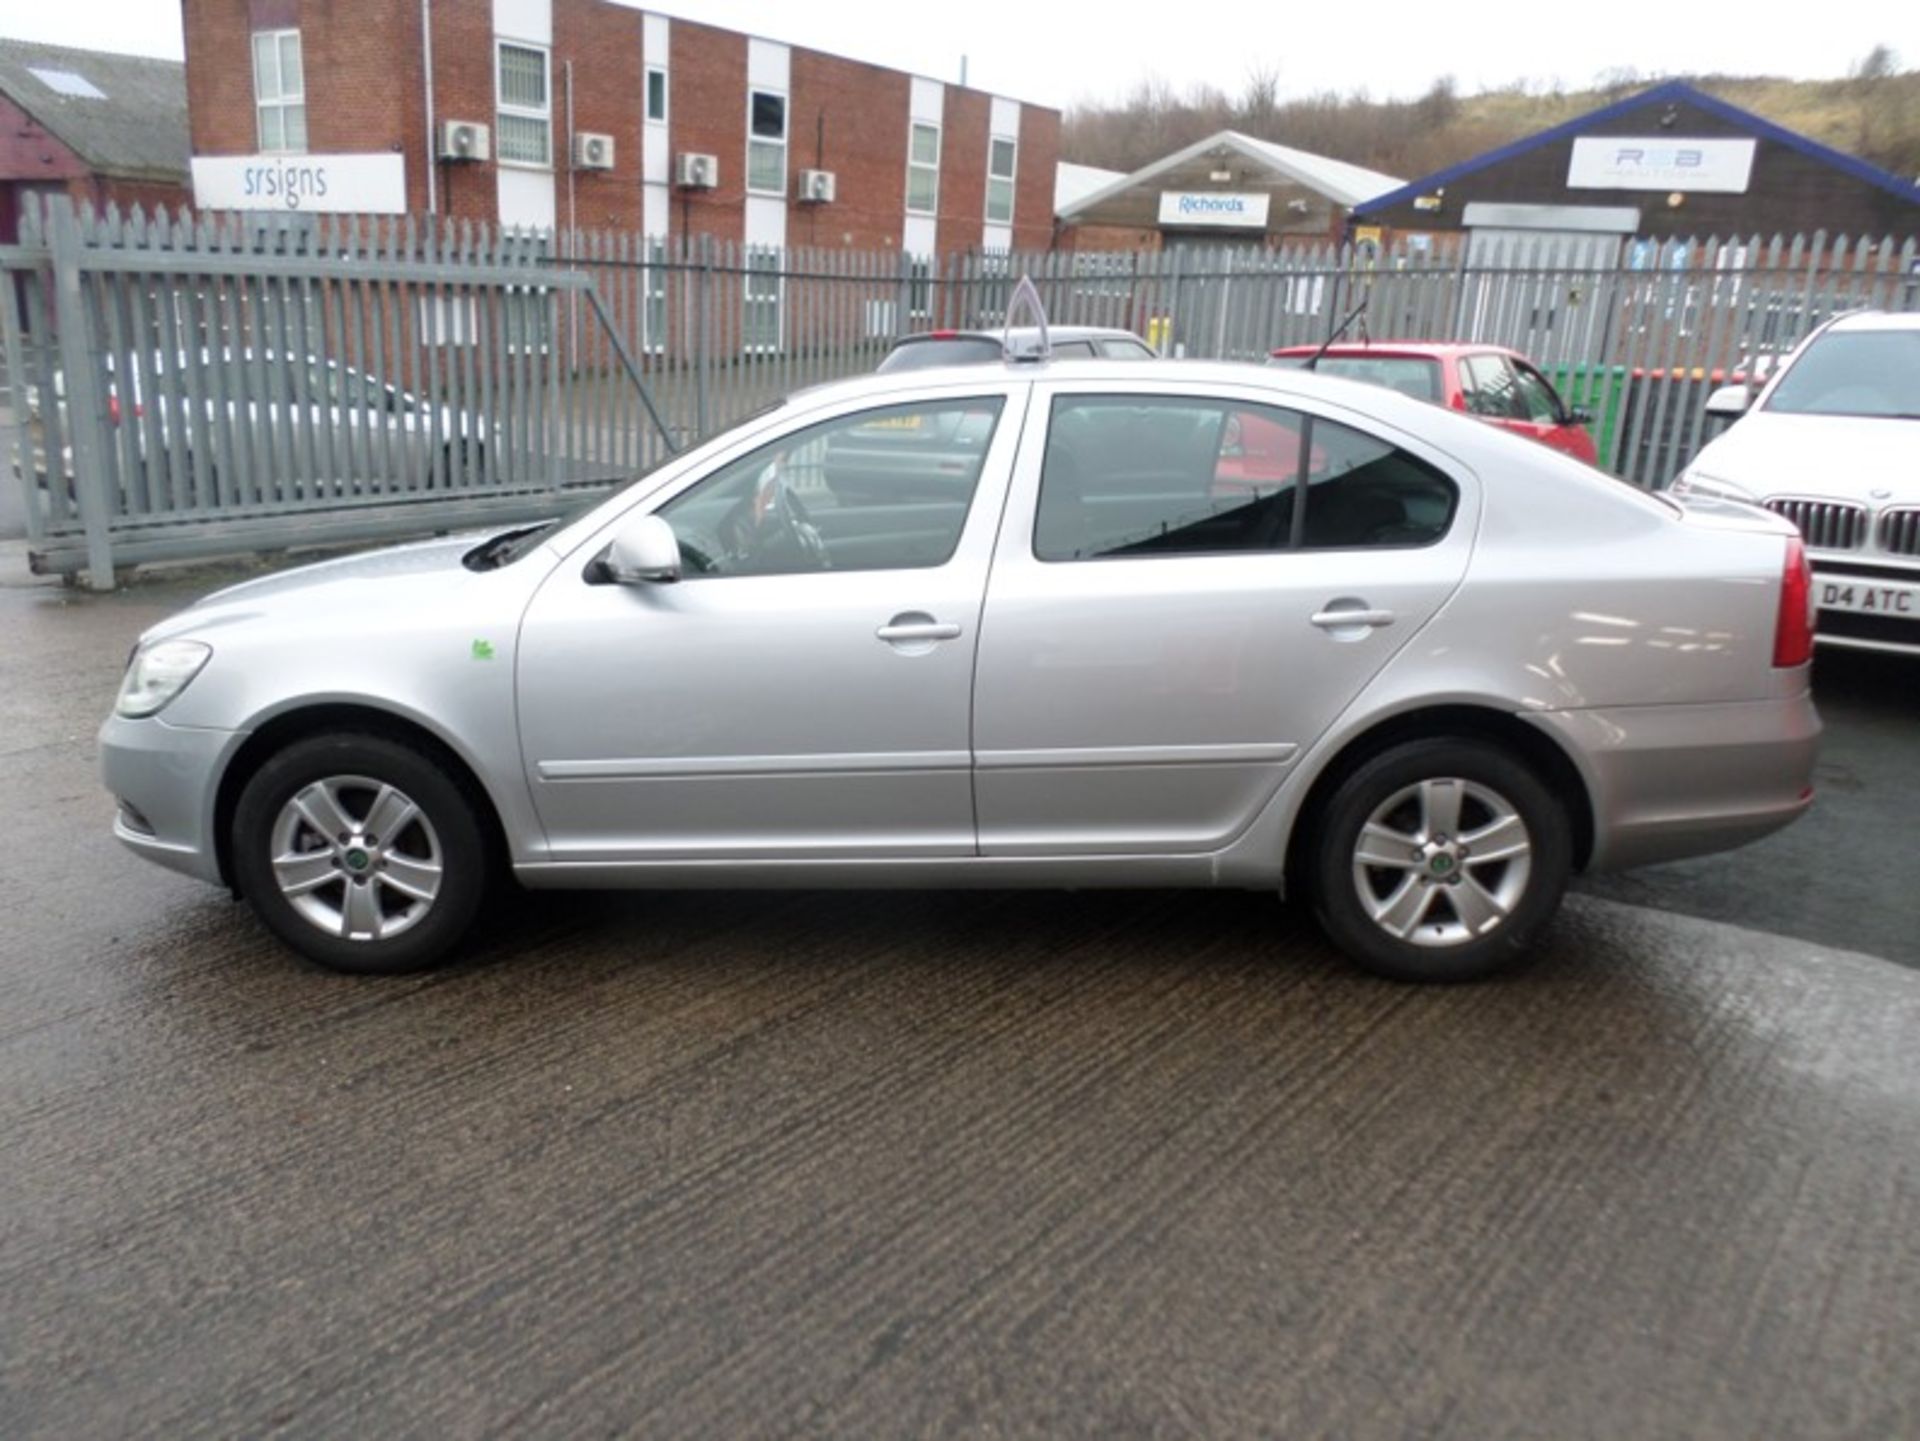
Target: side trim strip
{"x": 690, "y": 767}
{"x": 1078, "y": 756}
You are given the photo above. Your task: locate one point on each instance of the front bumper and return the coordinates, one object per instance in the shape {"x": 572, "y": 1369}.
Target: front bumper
{"x": 1670, "y": 781}
{"x": 164, "y": 778}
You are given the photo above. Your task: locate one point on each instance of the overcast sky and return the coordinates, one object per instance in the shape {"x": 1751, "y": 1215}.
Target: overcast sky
{"x": 1057, "y": 52}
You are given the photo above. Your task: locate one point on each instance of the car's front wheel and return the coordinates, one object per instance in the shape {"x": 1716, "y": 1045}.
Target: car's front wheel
{"x": 360, "y": 852}
{"x": 1440, "y": 860}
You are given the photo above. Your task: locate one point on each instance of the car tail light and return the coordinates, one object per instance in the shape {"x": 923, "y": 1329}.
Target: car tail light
{"x": 1793, "y": 629}
{"x": 113, "y": 409}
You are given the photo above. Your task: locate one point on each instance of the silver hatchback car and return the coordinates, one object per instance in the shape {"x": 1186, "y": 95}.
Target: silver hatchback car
{"x": 1160, "y": 625}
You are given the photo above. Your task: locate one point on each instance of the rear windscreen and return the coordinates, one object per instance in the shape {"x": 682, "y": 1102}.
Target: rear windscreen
{"x": 953, "y": 350}
{"x": 1408, "y": 374}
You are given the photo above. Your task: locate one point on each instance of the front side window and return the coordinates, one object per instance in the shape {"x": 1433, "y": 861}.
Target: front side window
{"x": 279, "y": 91}
{"x": 525, "y": 108}
{"x": 923, "y": 168}
{"x": 1000, "y": 168}
{"x": 1536, "y": 397}
{"x": 1491, "y": 388}
{"x": 767, "y": 142}
{"x": 1857, "y": 372}
{"x": 1130, "y": 476}
{"x": 885, "y": 489}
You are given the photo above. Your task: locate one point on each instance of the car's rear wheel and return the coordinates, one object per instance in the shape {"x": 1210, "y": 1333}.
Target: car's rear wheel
{"x": 361, "y": 853}
{"x": 1440, "y": 860}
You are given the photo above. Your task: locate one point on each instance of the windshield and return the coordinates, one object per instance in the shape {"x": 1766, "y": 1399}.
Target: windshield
{"x": 952, "y": 350}
{"x": 1408, "y": 374}
{"x": 1854, "y": 372}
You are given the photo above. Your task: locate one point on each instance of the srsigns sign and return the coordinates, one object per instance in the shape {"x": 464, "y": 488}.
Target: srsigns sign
{"x": 1213, "y": 207}
{"x": 1631, "y": 162}
{"x": 303, "y": 184}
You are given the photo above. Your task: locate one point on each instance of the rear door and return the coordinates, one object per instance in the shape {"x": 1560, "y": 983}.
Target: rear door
{"x": 1166, "y": 630}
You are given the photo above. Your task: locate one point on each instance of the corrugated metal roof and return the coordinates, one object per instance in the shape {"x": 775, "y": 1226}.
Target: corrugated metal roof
{"x": 136, "y": 129}
{"x": 1340, "y": 182}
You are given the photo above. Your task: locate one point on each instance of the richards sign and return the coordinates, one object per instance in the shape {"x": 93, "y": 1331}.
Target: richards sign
{"x": 1186, "y": 208}
{"x": 302, "y": 184}
{"x": 1660, "y": 162}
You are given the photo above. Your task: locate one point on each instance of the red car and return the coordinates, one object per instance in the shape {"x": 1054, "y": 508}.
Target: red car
{"x": 1498, "y": 385}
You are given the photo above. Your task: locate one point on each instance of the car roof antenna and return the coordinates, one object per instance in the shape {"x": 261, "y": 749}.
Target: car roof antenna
{"x": 1327, "y": 344}
{"x": 1028, "y": 294}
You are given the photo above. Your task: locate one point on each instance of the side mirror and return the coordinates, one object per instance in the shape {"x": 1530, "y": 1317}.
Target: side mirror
{"x": 646, "y": 551}
{"x": 1579, "y": 415}
{"x": 1730, "y": 401}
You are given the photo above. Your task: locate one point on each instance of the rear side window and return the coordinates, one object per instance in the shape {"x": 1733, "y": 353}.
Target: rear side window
{"x": 954, "y": 350}
{"x": 1128, "y": 476}
{"x": 1125, "y": 350}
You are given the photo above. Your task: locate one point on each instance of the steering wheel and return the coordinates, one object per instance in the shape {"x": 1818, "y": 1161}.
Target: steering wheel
{"x": 771, "y": 527}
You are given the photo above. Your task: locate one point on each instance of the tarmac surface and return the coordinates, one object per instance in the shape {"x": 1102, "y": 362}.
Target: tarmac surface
{"x": 984, "y": 1164}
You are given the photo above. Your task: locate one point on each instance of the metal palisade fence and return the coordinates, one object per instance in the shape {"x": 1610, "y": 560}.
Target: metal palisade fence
{"x": 187, "y": 386}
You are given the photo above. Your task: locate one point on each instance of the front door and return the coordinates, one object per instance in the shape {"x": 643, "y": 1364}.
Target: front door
{"x": 803, "y": 691}
{"x": 1167, "y": 630}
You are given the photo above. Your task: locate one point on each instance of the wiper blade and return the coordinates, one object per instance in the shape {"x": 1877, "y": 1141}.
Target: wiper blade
{"x": 491, "y": 553}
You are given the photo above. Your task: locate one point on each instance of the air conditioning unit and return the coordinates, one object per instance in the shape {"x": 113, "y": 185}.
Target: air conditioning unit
{"x": 463, "y": 140}
{"x": 592, "y": 152}
{"x": 696, "y": 172}
{"x": 816, "y": 186}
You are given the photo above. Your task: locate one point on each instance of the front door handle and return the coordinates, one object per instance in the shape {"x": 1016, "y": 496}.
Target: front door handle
{"x": 900, "y": 628}
{"x": 1340, "y": 619}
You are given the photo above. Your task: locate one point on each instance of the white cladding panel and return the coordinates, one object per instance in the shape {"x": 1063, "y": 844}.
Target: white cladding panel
{"x": 530, "y": 20}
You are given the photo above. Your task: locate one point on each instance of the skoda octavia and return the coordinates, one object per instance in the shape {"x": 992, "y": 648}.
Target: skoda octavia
{"x": 1389, "y": 660}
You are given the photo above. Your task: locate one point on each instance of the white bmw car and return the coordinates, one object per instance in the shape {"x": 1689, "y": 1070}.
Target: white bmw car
{"x": 1832, "y": 443}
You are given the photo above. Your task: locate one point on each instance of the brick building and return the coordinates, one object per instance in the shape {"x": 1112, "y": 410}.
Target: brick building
{"x": 598, "y": 114}
{"x": 100, "y": 129}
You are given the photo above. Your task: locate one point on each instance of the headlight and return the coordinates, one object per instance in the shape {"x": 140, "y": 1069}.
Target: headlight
{"x": 1692, "y": 482}
{"x": 158, "y": 673}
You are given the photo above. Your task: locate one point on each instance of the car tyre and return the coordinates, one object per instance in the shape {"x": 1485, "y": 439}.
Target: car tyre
{"x": 361, "y": 852}
{"x": 1440, "y": 860}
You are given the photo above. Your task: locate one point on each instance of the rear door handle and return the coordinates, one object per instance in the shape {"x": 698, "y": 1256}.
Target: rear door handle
{"x": 1338, "y": 619}
{"x": 896, "y": 631}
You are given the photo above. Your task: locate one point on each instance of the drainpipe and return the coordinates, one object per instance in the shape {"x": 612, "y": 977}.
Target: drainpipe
{"x": 426, "y": 62}
{"x": 573, "y": 296}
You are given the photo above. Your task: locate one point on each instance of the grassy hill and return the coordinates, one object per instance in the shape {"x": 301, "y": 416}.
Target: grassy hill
{"x": 1876, "y": 117}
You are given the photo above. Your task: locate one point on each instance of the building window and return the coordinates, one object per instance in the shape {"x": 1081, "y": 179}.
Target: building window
{"x": 280, "y": 91}
{"x": 525, "y": 105}
{"x": 654, "y": 322}
{"x": 760, "y": 322}
{"x": 923, "y": 169}
{"x": 766, "y": 142}
{"x": 1000, "y": 163}
{"x": 656, "y": 93}
{"x": 919, "y": 288}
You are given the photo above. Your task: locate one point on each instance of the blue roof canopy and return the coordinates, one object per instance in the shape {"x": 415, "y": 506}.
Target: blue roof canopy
{"x": 1673, "y": 91}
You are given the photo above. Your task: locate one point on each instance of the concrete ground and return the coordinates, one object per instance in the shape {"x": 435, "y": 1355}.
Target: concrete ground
{"x": 1003, "y": 1164}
